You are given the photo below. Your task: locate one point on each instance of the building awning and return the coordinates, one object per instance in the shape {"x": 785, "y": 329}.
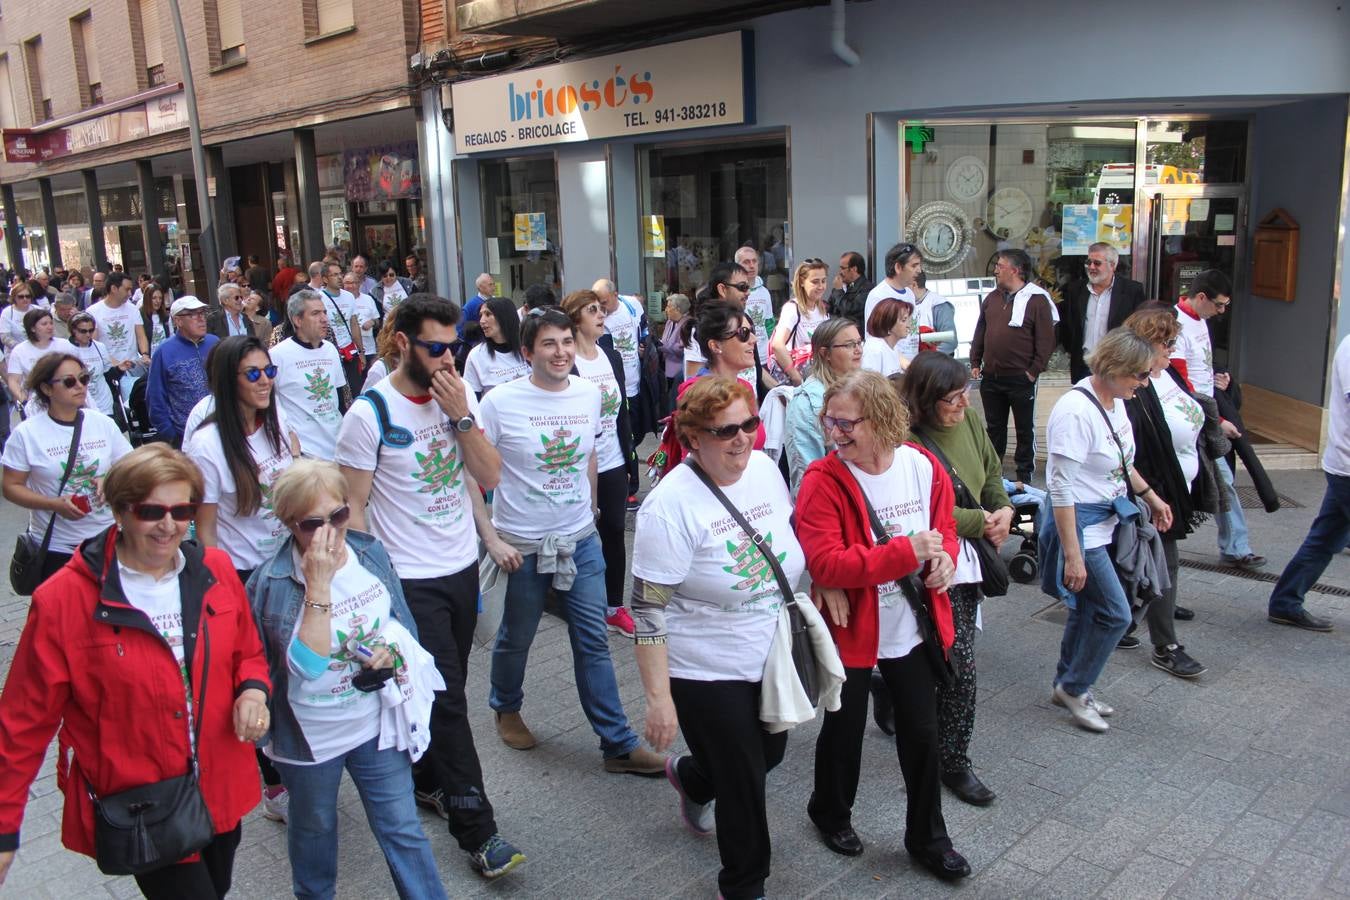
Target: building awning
{"x": 156, "y": 111}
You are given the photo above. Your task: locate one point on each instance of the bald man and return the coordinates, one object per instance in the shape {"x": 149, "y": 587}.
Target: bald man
{"x": 486, "y": 287}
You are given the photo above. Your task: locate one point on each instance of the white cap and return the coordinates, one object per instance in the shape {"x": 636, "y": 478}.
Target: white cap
{"x": 185, "y": 304}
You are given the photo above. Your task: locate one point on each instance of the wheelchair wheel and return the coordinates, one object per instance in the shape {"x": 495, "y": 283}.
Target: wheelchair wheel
{"x": 1023, "y": 568}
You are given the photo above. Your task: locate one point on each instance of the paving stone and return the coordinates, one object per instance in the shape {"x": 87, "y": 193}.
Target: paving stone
{"x": 1291, "y": 874}
{"x": 1186, "y": 838}
{"x": 1045, "y": 846}
{"x": 1144, "y": 877}
{"x": 1323, "y": 834}
{"x": 1214, "y": 877}
{"x": 1072, "y": 879}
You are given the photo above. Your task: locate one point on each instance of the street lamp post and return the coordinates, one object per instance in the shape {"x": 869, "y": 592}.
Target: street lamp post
{"x": 206, "y": 241}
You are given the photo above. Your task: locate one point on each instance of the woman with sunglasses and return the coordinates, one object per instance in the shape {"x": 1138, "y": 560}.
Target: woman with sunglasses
{"x": 725, "y": 338}
{"x": 391, "y": 290}
{"x": 888, "y": 325}
{"x": 497, "y": 359}
{"x": 1089, "y": 473}
{"x": 155, "y": 317}
{"x": 12, "y": 332}
{"x": 35, "y": 458}
{"x": 96, "y": 359}
{"x": 706, "y": 607}
{"x": 873, "y": 471}
{"x": 799, "y": 319}
{"x": 836, "y": 350}
{"x": 937, "y": 394}
{"x": 334, "y": 626}
{"x": 143, "y": 653}
{"x": 39, "y": 328}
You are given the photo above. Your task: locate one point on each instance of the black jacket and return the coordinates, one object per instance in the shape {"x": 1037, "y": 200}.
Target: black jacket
{"x": 851, "y": 302}
{"x": 1156, "y": 460}
{"x": 1126, "y": 295}
{"x": 622, "y": 423}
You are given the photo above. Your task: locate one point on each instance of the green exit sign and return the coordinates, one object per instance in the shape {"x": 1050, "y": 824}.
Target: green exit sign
{"x": 918, "y": 137}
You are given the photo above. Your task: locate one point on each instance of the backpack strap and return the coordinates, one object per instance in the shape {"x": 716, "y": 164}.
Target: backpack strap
{"x": 390, "y": 434}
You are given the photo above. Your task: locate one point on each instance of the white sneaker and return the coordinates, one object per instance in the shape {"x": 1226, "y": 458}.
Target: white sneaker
{"x": 1103, "y": 709}
{"x": 1082, "y": 710}
{"x": 277, "y": 808}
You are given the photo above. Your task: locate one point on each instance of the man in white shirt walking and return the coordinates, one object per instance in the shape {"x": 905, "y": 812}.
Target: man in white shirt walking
{"x": 310, "y": 376}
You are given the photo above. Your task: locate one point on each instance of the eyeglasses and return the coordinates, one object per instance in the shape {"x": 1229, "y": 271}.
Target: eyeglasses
{"x": 1094, "y": 263}
{"x": 192, "y": 314}
{"x": 591, "y": 308}
{"x": 1222, "y": 304}
{"x": 1171, "y": 345}
{"x": 253, "y": 373}
{"x": 84, "y": 331}
{"x": 69, "y": 381}
{"x": 742, "y": 286}
{"x": 955, "y": 398}
{"x": 742, "y": 334}
{"x": 847, "y": 345}
{"x": 154, "y": 512}
{"x": 727, "y": 432}
{"x": 337, "y": 518}
{"x": 21, "y": 296}
{"x": 844, "y": 425}
{"x": 435, "y": 349}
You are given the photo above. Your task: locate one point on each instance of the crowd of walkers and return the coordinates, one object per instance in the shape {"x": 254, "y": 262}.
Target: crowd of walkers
{"x": 276, "y": 571}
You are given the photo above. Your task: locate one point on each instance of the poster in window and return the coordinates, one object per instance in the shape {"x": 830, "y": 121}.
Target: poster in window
{"x": 381, "y": 241}
{"x": 531, "y": 231}
{"x": 382, "y": 173}
{"x": 1115, "y": 225}
{"x": 654, "y": 236}
{"x": 1080, "y": 228}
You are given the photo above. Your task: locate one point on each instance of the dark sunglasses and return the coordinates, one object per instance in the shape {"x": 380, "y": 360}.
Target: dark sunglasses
{"x": 337, "y": 518}
{"x": 744, "y": 333}
{"x": 21, "y": 296}
{"x": 435, "y": 349}
{"x": 253, "y": 373}
{"x": 727, "y": 432}
{"x": 742, "y": 286}
{"x": 84, "y": 331}
{"x": 154, "y": 512}
{"x": 69, "y": 381}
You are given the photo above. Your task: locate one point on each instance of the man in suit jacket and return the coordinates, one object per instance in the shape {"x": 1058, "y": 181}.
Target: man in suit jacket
{"x": 1094, "y": 307}
{"x": 228, "y": 318}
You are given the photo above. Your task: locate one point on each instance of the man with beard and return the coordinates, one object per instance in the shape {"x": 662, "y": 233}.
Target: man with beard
{"x": 1094, "y": 307}
{"x": 310, "y": 376}
{"x": 413, "y": 455}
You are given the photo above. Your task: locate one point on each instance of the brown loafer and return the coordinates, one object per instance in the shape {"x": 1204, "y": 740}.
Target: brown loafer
{"x": 639, "y": 761}
{"x": 514, "y": 732}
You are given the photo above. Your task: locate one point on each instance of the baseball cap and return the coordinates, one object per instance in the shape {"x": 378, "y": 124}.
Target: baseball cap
{"x": 186, "y": 304}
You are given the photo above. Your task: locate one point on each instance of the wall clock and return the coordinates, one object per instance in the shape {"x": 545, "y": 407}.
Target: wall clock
{"x": 967, "y": 178}
{"x": 943, "y": 234}
{"x": 1009, "y": 213}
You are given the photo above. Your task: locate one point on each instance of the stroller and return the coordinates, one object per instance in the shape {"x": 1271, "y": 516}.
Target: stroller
{"x": 1024, "y": 567}
{"x": 131, "y": 409}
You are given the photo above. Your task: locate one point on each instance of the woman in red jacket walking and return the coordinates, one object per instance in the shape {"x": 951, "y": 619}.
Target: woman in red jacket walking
{"x": 114, "y": 643}
{"x": 873, "y": 624}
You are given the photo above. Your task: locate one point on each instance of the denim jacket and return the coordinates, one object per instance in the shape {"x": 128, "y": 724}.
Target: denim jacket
{"x": 276, "y": 594}
{"x": 1052, "y": 557}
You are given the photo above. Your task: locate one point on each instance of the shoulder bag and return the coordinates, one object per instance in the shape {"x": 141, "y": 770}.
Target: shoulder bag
{"x": 1111, "y": 430}
{"x": 993, "y": 570}
{"x": 156, "y": 825}
{"x": 803, "y": 653}
{"x": 916, "y": 595}
{"x": 25, "y": 566}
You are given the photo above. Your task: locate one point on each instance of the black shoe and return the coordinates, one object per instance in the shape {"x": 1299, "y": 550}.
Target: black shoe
{"x": 1128, "y": 642}
{"x": 1183, "y": 614}
{"x": 1250, "y": 561}
{"x": 966, "y": 785}
{"x": 1301, "y": 618}
{"x": 883, "y": 713}
{"x": 633, "y": 504}
{"x": 947, "y": 865}
{"x": 845, "y": 841}
{"x": 1174, "y": 660}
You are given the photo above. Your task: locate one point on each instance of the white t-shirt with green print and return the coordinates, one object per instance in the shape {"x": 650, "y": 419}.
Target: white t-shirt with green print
{"x": 419, "y": 504}
{"x": 600, "y": 373}
{"x": 721, "y": 619}
{"x": 546, "y": 439}
{"x": 117, "y": 329}
{"x": 307, "y": 385}
{"x": 250, "y": 540}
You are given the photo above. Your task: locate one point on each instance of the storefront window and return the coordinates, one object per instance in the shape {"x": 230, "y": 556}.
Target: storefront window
{"x": 520, "y": 223}
{"x": 699, "y": 204}
{"x": 1197, "y": 152}
{"x": 337, "y": 233}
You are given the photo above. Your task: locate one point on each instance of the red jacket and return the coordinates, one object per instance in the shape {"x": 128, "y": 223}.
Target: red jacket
{"x": 92, "y": 665}
{"x": 836, "y": 536}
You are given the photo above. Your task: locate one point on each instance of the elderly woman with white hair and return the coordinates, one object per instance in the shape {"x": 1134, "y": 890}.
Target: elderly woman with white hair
{"x": 335, "y": 627}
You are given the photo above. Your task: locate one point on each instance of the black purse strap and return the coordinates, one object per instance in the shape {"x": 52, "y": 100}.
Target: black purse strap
{"x": 755, "y": 537}
{"x": 965, "y": 497}
{"x": 1110, "y": 429}
{"x": 65, "y": 477}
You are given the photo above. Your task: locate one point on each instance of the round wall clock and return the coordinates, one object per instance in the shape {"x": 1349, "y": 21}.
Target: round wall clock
{"x": 967, "y": 178}
{"x": 942, "y": 232}
{"x": 1010, "y": 213}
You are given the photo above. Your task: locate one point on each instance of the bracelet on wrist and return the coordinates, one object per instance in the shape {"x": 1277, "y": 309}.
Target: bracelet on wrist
{"x": 323, "y": 607}
{"x": 1148, "y": 489}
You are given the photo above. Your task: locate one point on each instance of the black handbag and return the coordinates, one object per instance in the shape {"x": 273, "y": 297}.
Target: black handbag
{"x": 803, "y": 653}
{"x": 993, "y": 570}
{"x": 916, "y": 595}
{"x": 156, "y": 825}
{"x": 25, "y": 566}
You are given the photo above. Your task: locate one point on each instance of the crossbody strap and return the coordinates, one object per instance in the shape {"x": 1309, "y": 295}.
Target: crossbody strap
{"x": 755, "y": 537}
{"x": 1110, "y": 429}
{"x": 70, "y": 464}
{"x": 964, "y": 494}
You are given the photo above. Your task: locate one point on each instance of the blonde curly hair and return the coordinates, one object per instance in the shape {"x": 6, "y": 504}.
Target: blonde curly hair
{"x": 881, "y": 406}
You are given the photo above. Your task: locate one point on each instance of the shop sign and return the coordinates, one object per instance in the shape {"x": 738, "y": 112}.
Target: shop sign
{"x": 167, "y": 113}
{"x": 382, "y": 173}
{"x": 23, "y": 146}
{"x": 670, "y": 87}
{"x": 156, "y": 116}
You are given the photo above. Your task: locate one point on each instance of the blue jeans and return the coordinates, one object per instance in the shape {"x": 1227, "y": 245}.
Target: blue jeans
{"x": 383, "y": 778}
{"x": 1097, "y": 621}
{"x": 1329, "y": 535}
{"x": 584, "y": 607}
{"x": 1232, "y": 524}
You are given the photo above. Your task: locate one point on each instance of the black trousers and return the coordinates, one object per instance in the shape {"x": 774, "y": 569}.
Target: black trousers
{"x": 839, "y": 752}
{"x": 206, "y": 879}
{"x": 631, "y": 464}
{"x": 612, "y": 488}
{"x": 446, "y": 610}
{"x": 1001, "y": 394}
{"x": 730, "y": 754}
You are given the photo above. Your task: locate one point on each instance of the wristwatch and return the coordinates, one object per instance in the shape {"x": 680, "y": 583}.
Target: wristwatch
{"x": 465, "y": 424}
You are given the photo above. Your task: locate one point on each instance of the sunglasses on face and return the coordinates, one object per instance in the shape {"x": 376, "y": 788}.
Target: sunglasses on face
{"x": 435, "y": 349}
{"x": 844, "y": 425}
{"x": 69, "y": 381}
{"x": 253, "y": 373}
{"x": 337, "y": 518}
{"x": 742, "y": 286}
{"x": 21, "y": 296}
{"x": 727, "y": 432}
{"x": 742, "y": 334}
{"x": 84, "y": 331}
{"x": 154, "y": 512}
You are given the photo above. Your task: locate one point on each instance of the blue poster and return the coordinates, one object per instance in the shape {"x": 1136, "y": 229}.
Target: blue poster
{"x": 1080, "y": 228}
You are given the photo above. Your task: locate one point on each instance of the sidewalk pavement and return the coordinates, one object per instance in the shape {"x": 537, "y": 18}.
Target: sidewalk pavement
{"x": 1234, "y": 785}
